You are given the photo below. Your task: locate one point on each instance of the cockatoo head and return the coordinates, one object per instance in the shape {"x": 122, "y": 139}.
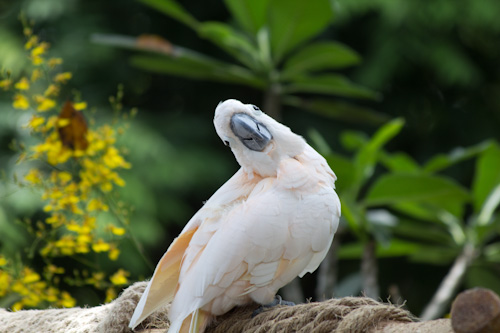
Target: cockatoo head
{"x": 258, "y": 142}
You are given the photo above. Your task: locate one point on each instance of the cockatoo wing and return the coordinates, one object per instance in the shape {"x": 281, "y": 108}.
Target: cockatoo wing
{"x": 161, "y": 288}
{"x": 282, "y": 229}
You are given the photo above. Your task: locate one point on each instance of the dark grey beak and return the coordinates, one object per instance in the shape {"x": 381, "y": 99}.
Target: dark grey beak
{"x": 254, "y": 135}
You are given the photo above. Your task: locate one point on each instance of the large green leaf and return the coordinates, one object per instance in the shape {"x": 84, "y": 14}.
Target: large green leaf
{"x": 250, "y": 14}
{"x": 443, "y": 161}
{"x": 230, "y": 40}
{"x": 439, "y": 192}
{"x": 366, "y": 158}
{"x": 319, "y": 56}
{"x": 174, "y": 10}
{"x": 423, "y": 232}
{"x": 329, "y": 84}
{"x": 487, "y": 175}
{"x": 338, "y": 110}
{"x": 292, "y": 22}
{"x": 196, "y": 66}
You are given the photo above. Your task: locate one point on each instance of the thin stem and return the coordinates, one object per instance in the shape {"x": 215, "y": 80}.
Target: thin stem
{"x": 327, "y": 272}
{"x": 272, "y": 102}
{"x": 131, "y": 236}
{"x": 369, "y": 270}
{"x": 449, "y": 285}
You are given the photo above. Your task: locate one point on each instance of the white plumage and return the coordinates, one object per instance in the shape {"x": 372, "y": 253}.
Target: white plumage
{"x": 272, "y": 221}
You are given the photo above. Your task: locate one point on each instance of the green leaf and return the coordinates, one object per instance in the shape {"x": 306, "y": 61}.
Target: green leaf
{"x": 396, "y": 248}
{"x": 490, "y": 205}
{"x": 353, "y": 140}
{"x": 422, "y": 232}
{"x": 149, "y": 43}
{"x": 196, "y": 66}
{"x": 250, "y": 14}
{"x": 399, "y": 162}
{"x": 292, "y": 22}
{"x": 351, "y": 212}
{"x": 344, "y": 170}
{"x": 483, "y": 275}
{"x": 433, "y": 190}
{"x": 174, "y": 10}
{"x": 329, "y": 84}
{"x": 487, "y": 175}
{"x": 338, "y": 110}
{"x": 459, "y": 154}
{"x": 230, "y": 40}
{"x": 436, "y": 255}
{"x": 342, "y": 166}
{"x": 319, "y": 56}
{"x": 366, "y": 158}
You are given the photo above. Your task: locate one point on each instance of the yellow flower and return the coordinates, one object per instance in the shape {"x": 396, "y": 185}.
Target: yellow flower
{"x": 52, "y": 90}
{"x": 63, "y": 122}
{"x": 53, "y": 269}
{"x": 33, "y": 177}
{"x": 56, "y": 220}
{"x": 100, "y": 246}
{"x": 17, "y": 306}
{"x": 110, "y": 295}
{"x": 37, "y": 52}
{"x": 30, "y": 276}
{"x": 3, "y": 262}
{"x": 114, "y": 254}
{"x": 64, "y": 177}
{"x": 63, "y": 77}
{"x": 31, "y": 42}
{"x": 5, "y": 84}
{"x": 22, "y": 84}
{"x": 20, "y": 102}
{"x": 44, "y": 104}
{"x": 66, "y": 300}
{"x": 119, "y": 278}
{"x": 96, "y": 204}
{"x": 66, "y": 245}
{"x": 36, "y": 122}
{"x": 80, "y": 106}
{"x": 36, "y": 74}
{"x": 117, "y": 231}
{"x": 113, "y": 159}
{"x": 106, "y": 187}
{"x": 53, "y": 62}
{"x": 5, "y": 280}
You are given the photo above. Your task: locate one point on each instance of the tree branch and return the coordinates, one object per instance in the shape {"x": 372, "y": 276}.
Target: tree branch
{"x": 449, "y": 285}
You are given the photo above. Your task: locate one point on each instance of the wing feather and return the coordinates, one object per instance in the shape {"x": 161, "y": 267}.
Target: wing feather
{"x": 161, "y": 288}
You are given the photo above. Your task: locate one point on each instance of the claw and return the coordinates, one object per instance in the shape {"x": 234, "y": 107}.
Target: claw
{"x": 277, "y": 301}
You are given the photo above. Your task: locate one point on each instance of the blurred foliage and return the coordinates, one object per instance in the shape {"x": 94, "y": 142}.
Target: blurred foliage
{"x": 434, "y": 63}
{"x": 265, "y": 44}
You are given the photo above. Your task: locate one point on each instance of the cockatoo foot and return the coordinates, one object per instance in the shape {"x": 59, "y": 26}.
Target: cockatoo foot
{"x": 277, "y": 301}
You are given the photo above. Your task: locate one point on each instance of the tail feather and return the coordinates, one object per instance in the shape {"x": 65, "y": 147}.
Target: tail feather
{"x": 196, "y": 322}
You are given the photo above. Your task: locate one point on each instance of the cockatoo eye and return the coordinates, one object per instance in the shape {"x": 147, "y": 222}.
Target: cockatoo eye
{"x": 253, "y": 134}
{"x": 255, "y": 107}
{"x": 226, "y": 143}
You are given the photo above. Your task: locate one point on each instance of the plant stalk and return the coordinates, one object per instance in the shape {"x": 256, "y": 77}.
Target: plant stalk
{"x": 327, "y": 272}
{"x": 369, "y": 270}
{"x": 449, "y": 285}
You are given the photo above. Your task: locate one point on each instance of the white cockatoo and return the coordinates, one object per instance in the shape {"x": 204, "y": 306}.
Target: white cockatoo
{"x": 272, "y": 221}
